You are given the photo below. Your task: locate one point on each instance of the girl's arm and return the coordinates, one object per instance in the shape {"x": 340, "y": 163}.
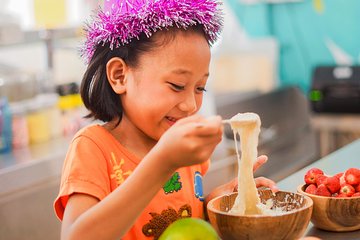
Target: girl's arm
{"x": 189, "y": 141}
{"x": 86, "y": 217}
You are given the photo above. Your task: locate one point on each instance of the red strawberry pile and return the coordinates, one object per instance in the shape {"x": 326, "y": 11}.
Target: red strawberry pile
{"x": 345, "y": 184}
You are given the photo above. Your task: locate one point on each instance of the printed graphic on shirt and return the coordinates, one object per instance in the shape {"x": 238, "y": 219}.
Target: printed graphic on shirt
{"x": 173, "y": 185}
{"x": 198, "y": 185}
{"x": 119, "y": 174}
{"x": 159, "y": 222}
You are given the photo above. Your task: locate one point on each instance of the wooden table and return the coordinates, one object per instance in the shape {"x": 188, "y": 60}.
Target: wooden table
{"x": 338, "y": 161}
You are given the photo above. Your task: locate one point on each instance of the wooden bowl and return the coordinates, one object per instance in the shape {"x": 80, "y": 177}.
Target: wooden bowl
{"x": 334, "y": 214}
{"x": 290, "y": 224}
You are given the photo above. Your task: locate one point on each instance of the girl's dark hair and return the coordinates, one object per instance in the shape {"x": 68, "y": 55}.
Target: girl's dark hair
{"x": 96, "y": 92}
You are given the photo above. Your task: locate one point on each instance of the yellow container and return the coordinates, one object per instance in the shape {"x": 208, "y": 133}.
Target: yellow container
{"x": 43, "y": 119}
{"x": 38, "y": 126}
{"x": 70, "y": 101}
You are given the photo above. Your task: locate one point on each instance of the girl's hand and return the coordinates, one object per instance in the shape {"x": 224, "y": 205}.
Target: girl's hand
{"x": 259, "y": 181}
{"x": 232, "y": 186}
{"x": 262, "y": 181}
{"x": 189, "y": 141}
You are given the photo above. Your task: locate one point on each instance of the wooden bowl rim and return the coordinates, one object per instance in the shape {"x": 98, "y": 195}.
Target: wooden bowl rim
{"x": 309, "y": 204}
{"x": 301, "y": 191}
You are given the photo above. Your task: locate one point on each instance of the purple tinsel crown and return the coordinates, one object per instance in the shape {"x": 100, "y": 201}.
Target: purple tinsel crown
{"x": 126, "y": 20}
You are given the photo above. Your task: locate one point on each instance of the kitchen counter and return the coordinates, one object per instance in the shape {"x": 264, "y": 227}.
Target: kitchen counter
{"x": 338, "y": 161}
{"x": 25, "y": 167}
{"x": 29, "y": 183}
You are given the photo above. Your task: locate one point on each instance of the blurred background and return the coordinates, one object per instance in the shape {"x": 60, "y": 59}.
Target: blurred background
{"x": 294, "y": 62}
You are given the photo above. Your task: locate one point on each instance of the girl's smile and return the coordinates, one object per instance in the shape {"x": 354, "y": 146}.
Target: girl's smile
{"x": 171, "y": 120}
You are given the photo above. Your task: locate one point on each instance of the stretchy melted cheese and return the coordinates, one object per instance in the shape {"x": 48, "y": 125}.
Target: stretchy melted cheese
{"x": 247, "y": 126}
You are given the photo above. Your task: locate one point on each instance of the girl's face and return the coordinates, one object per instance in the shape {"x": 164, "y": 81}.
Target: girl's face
{"x": 168, "y": 84}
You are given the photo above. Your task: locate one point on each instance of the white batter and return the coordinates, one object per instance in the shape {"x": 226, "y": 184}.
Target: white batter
{"x": 247, "y": 126}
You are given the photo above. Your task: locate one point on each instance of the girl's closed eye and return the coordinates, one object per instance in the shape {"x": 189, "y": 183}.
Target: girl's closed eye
{"x": 201, "y": 89}
{"x": 177, "y": 87}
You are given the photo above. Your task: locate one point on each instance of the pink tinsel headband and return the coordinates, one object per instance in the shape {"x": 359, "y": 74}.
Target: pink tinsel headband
{"x": 123, "y": 20}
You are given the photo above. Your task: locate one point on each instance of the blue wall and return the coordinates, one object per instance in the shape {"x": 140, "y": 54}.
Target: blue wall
{"x": 301, "y": 29}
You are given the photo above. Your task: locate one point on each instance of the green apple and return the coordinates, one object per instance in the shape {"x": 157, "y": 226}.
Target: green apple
{"x": 189, "y": 229}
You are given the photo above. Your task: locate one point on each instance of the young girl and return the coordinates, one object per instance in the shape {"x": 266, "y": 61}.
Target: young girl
{"x": 142, "y": 169}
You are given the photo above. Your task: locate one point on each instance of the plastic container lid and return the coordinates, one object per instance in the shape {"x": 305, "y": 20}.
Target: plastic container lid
{"x": 18, "y": 108}
{"x": 42, "y": 101}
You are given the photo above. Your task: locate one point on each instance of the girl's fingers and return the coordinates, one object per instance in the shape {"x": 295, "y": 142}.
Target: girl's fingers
{"x": 202, "y": 126}
{"x": 259, "y": 162}
{"x": 265, "y": 182}
{"x": 208, "y": 127}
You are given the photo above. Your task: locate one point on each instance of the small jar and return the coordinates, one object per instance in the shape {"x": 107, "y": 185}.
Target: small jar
{"x": 38, "y": 121}
{"x": 54, "y": 114}
{"x": 70, "y": 103}
{"x": 5, "y": 126}
{"x": 20, "y": 132}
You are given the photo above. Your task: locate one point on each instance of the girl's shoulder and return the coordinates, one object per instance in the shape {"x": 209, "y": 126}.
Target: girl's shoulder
{"x": 95, "y": 133}
{"x": 97, "y": 137}
{"x": 91, "y": 131}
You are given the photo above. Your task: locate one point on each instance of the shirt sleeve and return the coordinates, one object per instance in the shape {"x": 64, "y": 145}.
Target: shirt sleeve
{"x": 84, "y": 171}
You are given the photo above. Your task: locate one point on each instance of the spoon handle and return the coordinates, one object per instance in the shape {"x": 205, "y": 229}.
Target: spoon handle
{"x": 225, "y": 121}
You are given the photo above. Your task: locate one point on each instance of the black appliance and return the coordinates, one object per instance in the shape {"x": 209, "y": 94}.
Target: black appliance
{"x": 336, "y": 89}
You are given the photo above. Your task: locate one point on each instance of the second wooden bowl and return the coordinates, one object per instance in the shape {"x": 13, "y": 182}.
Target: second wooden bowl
{"x": 334, "y": 214}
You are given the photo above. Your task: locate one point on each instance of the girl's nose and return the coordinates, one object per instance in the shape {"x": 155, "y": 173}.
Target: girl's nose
{"x": 189, "y": 104}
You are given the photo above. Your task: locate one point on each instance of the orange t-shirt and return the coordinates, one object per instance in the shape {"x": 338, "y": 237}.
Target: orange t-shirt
{"x": 96, "y": 164}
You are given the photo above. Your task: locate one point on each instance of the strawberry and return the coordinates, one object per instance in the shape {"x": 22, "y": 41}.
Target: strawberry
{"x": 311, "y": 188}
{"x": 352, "y": 176}
{"x": 357, "y": 188}
{"x": 322, "y": 191}
{"x": 333, "y": 184}
{"x": 347, "y": 189}
{"x": 321, "y": 179}
{"x": 338, "y": 175}
{"x": 312, "y": 174}
{"x": 342, "y": 180}
{"x": 357, "y": 194}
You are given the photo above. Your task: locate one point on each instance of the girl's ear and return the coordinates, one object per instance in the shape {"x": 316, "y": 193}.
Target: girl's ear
{"x": 115, "y": 72}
